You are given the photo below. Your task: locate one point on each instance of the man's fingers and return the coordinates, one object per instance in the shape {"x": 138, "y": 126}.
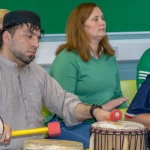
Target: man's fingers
{"x": 6, "y": 135}
{"x": 7, "y": 139}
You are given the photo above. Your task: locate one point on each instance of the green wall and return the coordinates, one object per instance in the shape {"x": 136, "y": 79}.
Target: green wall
{"x": 120, "y": 15}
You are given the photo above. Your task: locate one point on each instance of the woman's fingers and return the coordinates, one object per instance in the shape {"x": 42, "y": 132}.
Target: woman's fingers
{"x": 114, "y": 103}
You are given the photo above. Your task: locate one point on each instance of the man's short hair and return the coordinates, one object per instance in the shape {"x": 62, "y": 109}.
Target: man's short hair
{"x": 18, "y": 17}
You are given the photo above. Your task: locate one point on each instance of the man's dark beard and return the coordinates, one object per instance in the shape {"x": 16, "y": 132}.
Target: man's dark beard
{"x": 21, "y": 57}
{"x": 29, "y": 60}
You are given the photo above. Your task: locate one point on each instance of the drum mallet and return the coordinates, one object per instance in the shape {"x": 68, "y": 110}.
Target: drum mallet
{"x": 115, "y": 115}
{"x": 53, "y": 130}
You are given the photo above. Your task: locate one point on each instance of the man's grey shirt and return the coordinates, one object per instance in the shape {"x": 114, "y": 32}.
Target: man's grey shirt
{"x": 22, "y": 95}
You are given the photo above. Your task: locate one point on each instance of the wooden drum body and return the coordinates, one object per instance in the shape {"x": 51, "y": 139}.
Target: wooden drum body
{"x": 121, "y": 135}
{"x": 50, "y": 144}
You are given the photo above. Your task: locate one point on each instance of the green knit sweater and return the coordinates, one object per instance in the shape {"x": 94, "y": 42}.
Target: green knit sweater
{"x": 94, "y": 82}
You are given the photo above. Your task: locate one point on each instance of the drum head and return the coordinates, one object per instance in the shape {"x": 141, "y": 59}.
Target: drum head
{"x": 50, "y": 144}
{"x": 118, "y": 126}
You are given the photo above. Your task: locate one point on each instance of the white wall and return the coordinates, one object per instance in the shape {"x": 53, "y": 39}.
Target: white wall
{"x": 126, "y": 48}
{"x": 46, "y": 52}
{"x": 130, "y": 49}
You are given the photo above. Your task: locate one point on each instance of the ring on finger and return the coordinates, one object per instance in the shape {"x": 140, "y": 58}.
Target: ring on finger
{"x": 8, "y": 137}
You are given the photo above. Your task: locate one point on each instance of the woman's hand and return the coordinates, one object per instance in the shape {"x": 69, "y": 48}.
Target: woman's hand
{"x": 5, "y": 139}
{"x": 114, "y": 103}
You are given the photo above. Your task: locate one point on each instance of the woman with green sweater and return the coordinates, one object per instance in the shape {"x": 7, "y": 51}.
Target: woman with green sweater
{"x": 86, "y": 66}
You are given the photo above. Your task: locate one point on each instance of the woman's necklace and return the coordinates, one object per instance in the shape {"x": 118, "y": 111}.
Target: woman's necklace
{"x": 95, "y": 55}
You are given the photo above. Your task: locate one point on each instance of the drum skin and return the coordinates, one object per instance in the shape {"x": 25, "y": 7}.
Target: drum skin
{"x": 50, "y": 144}
{"x": 121, "y": 135}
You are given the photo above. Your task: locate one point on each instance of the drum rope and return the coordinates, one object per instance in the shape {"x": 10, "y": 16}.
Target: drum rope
{"x": 121, "y": 135}
{"x": 120, "y": 139}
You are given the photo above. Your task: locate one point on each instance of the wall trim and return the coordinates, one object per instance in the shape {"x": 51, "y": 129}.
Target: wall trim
{"x": 129, "y": 46}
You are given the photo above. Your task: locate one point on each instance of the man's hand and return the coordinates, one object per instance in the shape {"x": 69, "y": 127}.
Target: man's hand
{"x": 101, "y": 114}
{"x": 5, "y": 139}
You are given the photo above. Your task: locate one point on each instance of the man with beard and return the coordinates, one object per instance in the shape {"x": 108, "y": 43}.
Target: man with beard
{"x": 25, "y": 86}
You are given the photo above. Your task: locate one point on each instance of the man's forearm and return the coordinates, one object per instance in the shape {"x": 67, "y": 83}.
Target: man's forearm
{"x": 142, "y": 118}
{"x": 82, "y": 113}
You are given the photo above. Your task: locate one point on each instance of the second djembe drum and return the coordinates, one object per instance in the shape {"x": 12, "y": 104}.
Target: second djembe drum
{"x": 121, "y": 135}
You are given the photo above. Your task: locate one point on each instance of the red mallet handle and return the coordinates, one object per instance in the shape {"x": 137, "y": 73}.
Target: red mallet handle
{"x": 115, "y": 115}
{"x": 53, "y": 129}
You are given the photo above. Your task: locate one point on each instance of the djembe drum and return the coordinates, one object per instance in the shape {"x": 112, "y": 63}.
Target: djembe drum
{"x": 50, "y": 144}
{"x": 121, "y": 135}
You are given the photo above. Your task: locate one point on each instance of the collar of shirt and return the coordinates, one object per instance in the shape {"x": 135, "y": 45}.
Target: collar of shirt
{"x": 92, "y": 54}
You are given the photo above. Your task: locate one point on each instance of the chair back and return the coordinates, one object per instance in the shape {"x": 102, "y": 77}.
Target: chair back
{"x": 129, "y": 90}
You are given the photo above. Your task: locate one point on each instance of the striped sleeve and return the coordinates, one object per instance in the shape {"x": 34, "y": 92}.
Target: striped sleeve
{"x": 143, "y": 68}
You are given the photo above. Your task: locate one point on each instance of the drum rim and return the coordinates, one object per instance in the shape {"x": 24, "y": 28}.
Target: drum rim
{"x": 113, "y": 131}
{"x": 1, "y": 121}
